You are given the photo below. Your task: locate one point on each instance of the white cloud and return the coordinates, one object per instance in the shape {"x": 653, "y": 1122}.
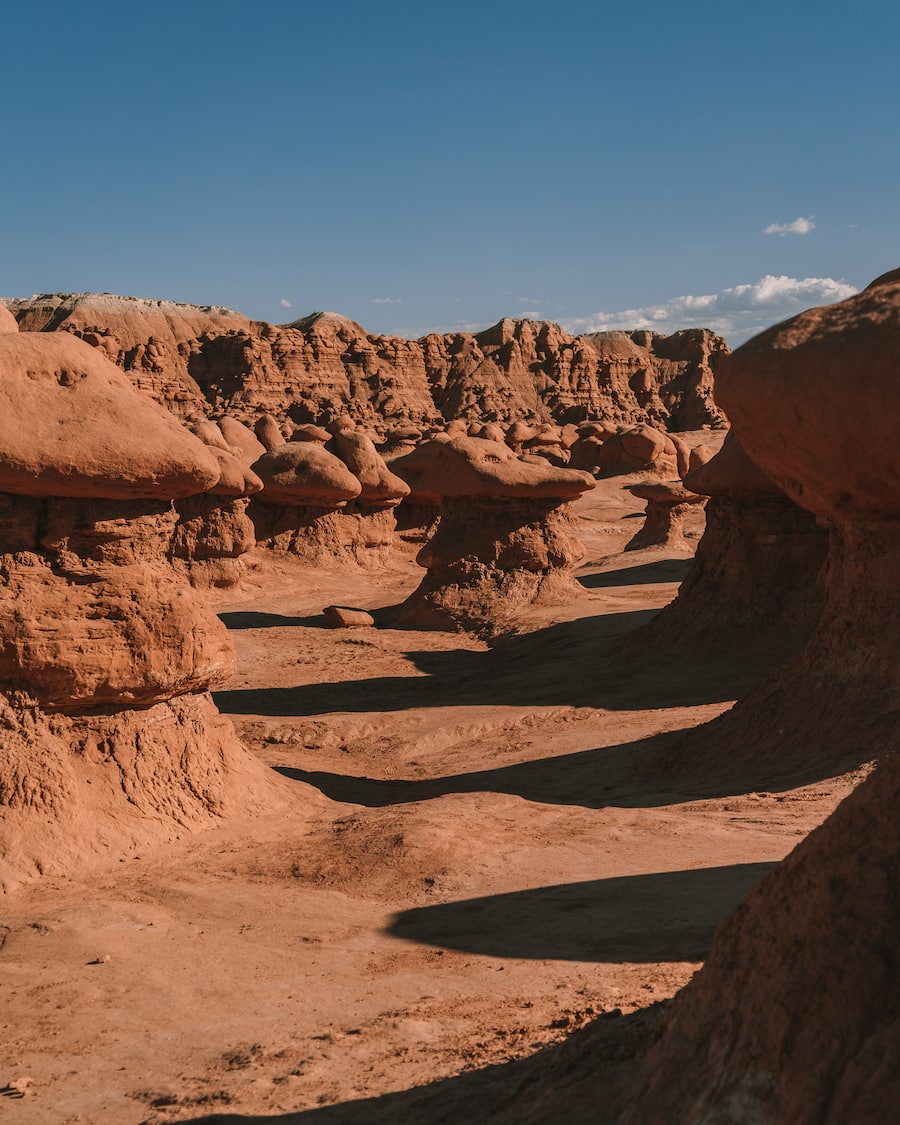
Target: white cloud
{"x": 387, "y": 301}
{"x": 528, "y": 301}
{"x": 736, "y": 313}
{"x": 285, "y": 303}
{"x": 798, "y": 226}
{"x": 532, "y": 314}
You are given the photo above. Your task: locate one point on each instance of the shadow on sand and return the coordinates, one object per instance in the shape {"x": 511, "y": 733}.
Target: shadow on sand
{"x": 662, "y": 570}
{"x": 664, "y": 916}
{"x": 573, "y": 663}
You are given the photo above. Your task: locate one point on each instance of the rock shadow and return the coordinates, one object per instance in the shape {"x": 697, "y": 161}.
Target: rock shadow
{"x": 663, "y": 916}
{"x": 661, "y": 570}
{"x": 250, "y": 619}
{"x": 573, "y": 663}
{"x": 621, "y": 776}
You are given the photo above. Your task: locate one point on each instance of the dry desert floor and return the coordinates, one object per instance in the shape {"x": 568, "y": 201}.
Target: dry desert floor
{"x": 477, "y": 863}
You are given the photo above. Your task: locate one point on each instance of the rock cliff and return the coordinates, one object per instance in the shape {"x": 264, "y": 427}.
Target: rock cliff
{"x": 202, "y": 359}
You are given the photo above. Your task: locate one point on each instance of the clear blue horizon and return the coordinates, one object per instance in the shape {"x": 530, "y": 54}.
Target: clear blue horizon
{"x": 419, "y": 168}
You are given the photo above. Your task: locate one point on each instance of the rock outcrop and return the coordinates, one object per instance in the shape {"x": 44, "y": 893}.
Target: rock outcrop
{"x": 503, "y": 541}
{"x": 310, "y": 371}
{"x": 754, "y": 579}
{"x": 795, "y": 1016}
{"x": 106, "y": 654}
{"x": 835, "y": 374}
{"x": 668, "y": 505}
{"x": 213, "y": 529}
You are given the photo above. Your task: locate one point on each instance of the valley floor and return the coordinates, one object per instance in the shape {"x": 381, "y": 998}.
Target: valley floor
{"x": 479, "y": 863}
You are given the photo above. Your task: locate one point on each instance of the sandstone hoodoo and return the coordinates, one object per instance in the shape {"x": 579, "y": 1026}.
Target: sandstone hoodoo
{"x": 753, "y": 581}
{"x": 503, "y": 541}
{"x": 218, "y": 361}
{"x": 106, "y": 654}
{"x": 835, "y": 372}
{"x": 299, "y": 509}
{"x": 214, "y": 529}
{"x": 668, "y": 503}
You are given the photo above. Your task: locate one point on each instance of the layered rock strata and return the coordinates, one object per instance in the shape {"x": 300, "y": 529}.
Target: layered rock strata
{"x": 191, "y": 357}
{"x": 504, "y": 538}
{"x": 106, "y": 655}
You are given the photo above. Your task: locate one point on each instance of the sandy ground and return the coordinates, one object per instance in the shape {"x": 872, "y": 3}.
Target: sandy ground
{"x": 478, "y": 864}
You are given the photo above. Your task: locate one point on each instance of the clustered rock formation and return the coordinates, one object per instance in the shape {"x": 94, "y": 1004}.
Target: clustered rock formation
{"x": 503, "y": 541}
{"x": 214, "y": 360}
{"x": 110, "y": 738}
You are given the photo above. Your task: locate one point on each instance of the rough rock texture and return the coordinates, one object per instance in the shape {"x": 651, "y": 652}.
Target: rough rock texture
{"x": 105, "y": 652}
{"x": 153, "y": 341}
{"x": 668, "y": 504}
{"x": 309, "y": 508}
{"x": 754, "y": 576}
{"x": 837, "y": 701}
{"x": 214, "y": 529}
{"x": 795, "y": 1017}
{"x": 216, "y": 360}
{"x": 641, "y": 449}
{"x": 502, "y": 542}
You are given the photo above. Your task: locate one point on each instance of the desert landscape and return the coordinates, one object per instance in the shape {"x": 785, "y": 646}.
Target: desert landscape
{"x": 492, "y": 726}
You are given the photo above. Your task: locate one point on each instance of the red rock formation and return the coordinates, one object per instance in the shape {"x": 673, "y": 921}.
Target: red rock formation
{"x": 503, "y": 539}
{"x": 668, "y": 504}
{"x": 216, "y": 360}
{"x": 754, "y": 579}
{"x": 796, "y": 1014}
{"x": 213, "y": 529}
{"x": 106, "y": 654}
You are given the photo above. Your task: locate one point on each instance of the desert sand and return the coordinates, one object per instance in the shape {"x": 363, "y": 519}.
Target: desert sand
{"x": 474, "y": 854}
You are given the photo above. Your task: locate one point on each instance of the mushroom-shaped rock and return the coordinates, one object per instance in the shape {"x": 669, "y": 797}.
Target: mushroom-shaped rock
{"x": 88, "y": 434}
{"x": 458, "y": 427}
{"x": 241, "y": 440}
{"x": 752, "y": 585}
{"x": 96, "y": 627}
{"x": 8, "y": 322}
{"x": 831, "y": 444}
{"x": 307, "y": 508}
{"x": 518, "y": 434}
{"x": 668, "y": 503}
{"x": 214, "y": 529}
{"x": 304, "y": 473}
{"x": 503, "y": 539}
{"x": 268, "y": 432}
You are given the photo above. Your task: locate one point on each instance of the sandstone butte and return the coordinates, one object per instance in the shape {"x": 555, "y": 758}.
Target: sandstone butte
{"x": 213, "y": 360}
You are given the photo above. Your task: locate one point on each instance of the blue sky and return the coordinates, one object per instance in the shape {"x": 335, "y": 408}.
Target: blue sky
{"x": 421, "y": 167}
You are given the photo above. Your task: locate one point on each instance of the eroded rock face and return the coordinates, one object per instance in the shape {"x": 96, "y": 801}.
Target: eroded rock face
{"x": 754, "y": 578}
{"x": 668, "y": 505}
{"x": 213, "y": 529}
{"x": 794, "y": 1016}
{"x": 503, "y": 541}
{"x": 106, "y": 654}
{"x": 838, "y": 369}
{"x": 215, "y": 360}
